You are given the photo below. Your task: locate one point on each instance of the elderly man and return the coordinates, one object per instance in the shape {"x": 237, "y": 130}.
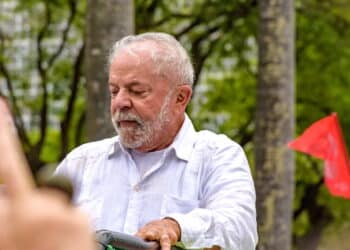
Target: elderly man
{"x": 159, "y": 178}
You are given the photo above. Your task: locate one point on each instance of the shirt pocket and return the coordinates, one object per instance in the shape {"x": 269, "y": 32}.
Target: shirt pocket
{"x": 172, "y": 204}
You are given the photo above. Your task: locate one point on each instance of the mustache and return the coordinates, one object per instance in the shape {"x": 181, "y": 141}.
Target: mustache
{"x": 127, "y": 116}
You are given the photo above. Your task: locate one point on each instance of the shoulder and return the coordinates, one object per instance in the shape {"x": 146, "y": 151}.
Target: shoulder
{"x": 93, "y": 149}
{"x": 219, "y": 149}
{"x": 85, "y": 155}
{"x": 215, "y": 141}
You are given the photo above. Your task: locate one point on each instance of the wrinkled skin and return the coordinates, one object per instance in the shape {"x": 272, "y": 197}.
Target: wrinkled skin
{"x": 167, "y": 231}
{"x": 147, "y": 111}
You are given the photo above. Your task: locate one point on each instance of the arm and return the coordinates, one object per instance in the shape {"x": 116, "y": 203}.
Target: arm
{"x": 227, "y": 214}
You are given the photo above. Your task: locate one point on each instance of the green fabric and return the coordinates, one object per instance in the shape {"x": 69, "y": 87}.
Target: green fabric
{"x": 180, "y": 245}
{"x": 177, "y": 246}
{"x": 109, "y": 247}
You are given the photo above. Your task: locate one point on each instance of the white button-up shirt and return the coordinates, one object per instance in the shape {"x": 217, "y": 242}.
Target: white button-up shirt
{"x": 203, "y": 181}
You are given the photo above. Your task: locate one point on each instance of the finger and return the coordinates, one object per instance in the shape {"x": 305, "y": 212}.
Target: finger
{"x": 165, "y": 242}
{"x": 46, "y": 179}
{"x": 140, "y": 235}
{"x": 147, "y": 234}
{"x": 14, "y": 170}
{"x": 4, "y": 218}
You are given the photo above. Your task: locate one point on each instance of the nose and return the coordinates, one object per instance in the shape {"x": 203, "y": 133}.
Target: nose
{"x": 120, "y": 101}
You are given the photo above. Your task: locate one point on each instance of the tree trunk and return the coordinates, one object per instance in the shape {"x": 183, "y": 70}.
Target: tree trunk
{"x": 107, "y": 21}
{"x": 275, "y": 124}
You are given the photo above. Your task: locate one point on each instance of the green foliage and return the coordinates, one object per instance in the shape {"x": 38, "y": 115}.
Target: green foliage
{"x": 301, "y": 225}
{"x": 322, "y": 83}
{"x": 40, "y": 43}
{"x": 221, "y": 37}
{"x": 50, "y": 153}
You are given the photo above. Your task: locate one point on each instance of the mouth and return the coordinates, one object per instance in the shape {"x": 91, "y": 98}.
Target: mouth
{"x": 127, "y": 123}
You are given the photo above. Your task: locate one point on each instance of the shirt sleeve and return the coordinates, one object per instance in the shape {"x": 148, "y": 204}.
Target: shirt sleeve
{"x": 227, "y": 213}
{"x": 72, "y": 168}
{"x": 61, "y": 169}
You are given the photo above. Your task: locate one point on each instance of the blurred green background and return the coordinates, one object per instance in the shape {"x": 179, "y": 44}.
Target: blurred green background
{"x": 42, "y": 75}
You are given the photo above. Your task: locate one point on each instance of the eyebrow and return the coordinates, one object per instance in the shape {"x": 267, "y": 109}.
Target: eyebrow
{"x": 131, "y": 84}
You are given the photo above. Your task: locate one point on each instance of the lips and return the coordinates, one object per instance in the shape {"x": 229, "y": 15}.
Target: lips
{"x": 127, "y": 123}
{"x": 127, "y": 120}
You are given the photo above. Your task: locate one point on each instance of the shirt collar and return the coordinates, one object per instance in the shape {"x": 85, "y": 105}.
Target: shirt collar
{"x": 184, "y": 140}
{"x": 182, "y": 144}
{"x": 115, "y": 147}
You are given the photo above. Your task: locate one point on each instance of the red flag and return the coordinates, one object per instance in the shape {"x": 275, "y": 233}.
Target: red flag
{"x": 324, "y": 139}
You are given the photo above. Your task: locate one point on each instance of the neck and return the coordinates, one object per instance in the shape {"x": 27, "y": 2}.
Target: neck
{"x": 164, "y": 138}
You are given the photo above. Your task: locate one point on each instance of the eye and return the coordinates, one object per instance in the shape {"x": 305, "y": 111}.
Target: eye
{"x": 140, "y": 92}
{"x": 114, "y": 92}
{"x": 137, "y": 92}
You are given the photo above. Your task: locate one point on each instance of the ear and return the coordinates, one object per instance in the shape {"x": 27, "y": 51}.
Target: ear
{"x": 183, "y": 96}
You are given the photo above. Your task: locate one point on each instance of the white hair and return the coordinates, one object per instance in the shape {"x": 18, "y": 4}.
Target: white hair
{"x": 169, "y": 56}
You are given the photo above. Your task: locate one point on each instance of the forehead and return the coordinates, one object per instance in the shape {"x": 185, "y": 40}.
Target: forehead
{"x": 141, "y": 62}
{"x": 136, "y": 57}
{"x": 139, "y": 52}
{"x": 135, "y": 64}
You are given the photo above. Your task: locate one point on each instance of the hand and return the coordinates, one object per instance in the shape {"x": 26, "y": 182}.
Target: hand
{"x": 42, "y": 220}
{"x": 166, "y": 231}
{"x": 33, "y": 219}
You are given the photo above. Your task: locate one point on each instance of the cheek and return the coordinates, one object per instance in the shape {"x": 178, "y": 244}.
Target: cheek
{"x": 112, "y": 107}
{"x": 174, "y": 109}
{"x": 144, "y": 112}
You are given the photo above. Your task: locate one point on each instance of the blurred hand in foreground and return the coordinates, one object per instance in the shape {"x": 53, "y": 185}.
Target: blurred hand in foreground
{"x": 33, "y": 219}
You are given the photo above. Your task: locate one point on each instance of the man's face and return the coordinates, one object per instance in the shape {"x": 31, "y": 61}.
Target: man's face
{"x": 141, "y": 101}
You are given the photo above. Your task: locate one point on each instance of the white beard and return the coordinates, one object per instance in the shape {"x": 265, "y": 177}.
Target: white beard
{"x": 144, "y": 132}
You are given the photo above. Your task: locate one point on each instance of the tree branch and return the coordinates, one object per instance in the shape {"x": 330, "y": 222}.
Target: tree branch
{"x": 66, "y": 122}
{"x": 43, "y": 80}
{"x": 18, "y": 116}
{"x": 309, "y": 199}
{"x": 220, "y": 26}
{"x": 197, "y": 21}
{"x": 244, "y": 133}
{"x": 40, "y": 38}
{"x": 72, "y": 13}
{"x": 79, "y": 128}
{"x": 314, "y": 103}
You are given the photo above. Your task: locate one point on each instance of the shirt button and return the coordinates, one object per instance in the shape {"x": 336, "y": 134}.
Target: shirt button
{"x": 137, "y": 188}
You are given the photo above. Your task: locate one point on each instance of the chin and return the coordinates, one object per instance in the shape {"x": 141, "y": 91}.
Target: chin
{"x": 132, "y": 142}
